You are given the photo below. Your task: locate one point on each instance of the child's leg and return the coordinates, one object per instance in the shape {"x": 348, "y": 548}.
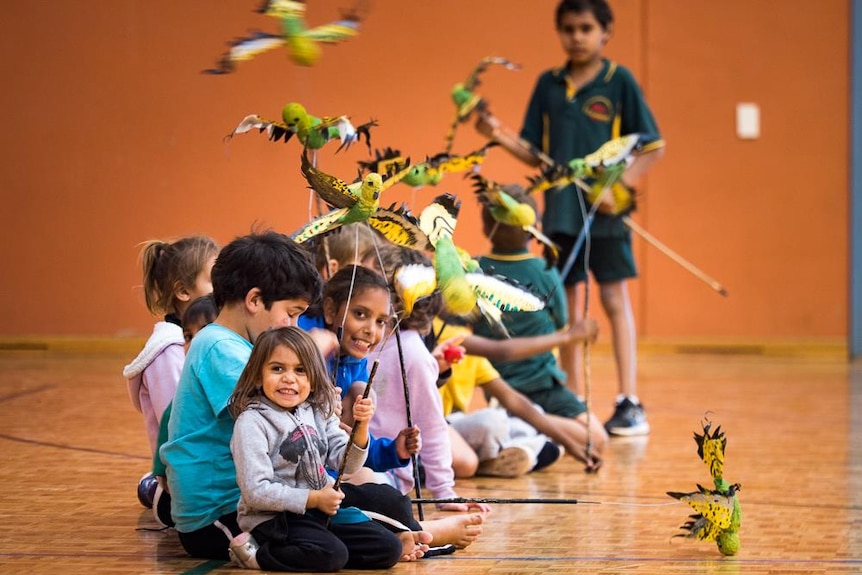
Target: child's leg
{"x": 369, "y": 545}
{"x": 485, "y": 431}
{"x": 211, "y": 541}
{"x": 292, "y": 542}
{"x": 572, "y": 355}
{"x": 617, "y": 306}
{"x": 629, "y": 417}
{"x": 464, "y": 459}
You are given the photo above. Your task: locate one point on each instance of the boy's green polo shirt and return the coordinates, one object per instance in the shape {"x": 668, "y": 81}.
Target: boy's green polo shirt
{"x": 567, "y": 125}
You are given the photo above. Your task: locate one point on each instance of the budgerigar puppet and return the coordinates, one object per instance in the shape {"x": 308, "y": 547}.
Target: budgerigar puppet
{"x": 603, "y": 168}
{"x": 465, "y": 98}
{"x": 464, "y": 289}
{"x": 507, "y": 210}
{"x": 358, "y": 202}
{"x": 718, "y": 514}
{"x": 311, "y": 131}
{"x": 302, "y": 43}
{"x": 429, "y": 172}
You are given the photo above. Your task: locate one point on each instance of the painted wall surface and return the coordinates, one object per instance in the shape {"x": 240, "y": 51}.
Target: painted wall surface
{"x": 114, "y": 136}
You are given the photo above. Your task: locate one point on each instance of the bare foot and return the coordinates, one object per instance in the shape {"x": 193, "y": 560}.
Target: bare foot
{"x": 415, "y": 544}
{"x": 458, "y": 530}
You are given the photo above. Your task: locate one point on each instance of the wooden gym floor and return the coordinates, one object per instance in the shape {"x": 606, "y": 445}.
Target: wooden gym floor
{"x": 73, "y": 449}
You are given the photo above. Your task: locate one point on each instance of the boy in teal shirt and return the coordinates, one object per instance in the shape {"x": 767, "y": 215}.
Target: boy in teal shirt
{"x": 573, "y": 110}
{"x": 260, "y": 281}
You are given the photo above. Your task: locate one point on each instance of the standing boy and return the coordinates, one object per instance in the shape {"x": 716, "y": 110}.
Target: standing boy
{"x": 573, "y": 110}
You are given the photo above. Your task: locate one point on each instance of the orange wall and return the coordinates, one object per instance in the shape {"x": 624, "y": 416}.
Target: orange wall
{"x": 113, "y": 136}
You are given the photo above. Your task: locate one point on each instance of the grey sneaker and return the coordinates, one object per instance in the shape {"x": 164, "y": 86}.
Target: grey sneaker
{"x": 628, "y": 419}
{"x": 243, "y": 551}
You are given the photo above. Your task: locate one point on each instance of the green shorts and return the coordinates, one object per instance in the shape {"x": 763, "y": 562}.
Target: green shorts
{"x": 611, "y": 259}
{"x": 559, "y": 400}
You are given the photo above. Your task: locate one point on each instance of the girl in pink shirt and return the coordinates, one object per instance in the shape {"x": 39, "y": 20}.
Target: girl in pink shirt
{"x": 175, "y": 274}
{"x": 422, "y": 369}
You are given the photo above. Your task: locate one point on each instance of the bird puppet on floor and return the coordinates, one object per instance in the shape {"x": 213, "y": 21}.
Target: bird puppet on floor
{"x": 429, "y": 172}
{"x": 464, "y": 288}
{"x": 311, "y": 131}
{"x": 718, "y": 514}
{"x": 302, "y": 43}
{"x": 465, "y": 98}
{"x": 603, "y": 168}
{"x": 359, "y": 202}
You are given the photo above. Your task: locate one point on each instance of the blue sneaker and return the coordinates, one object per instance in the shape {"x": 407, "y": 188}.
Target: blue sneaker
{"x": 147, "y": 490}
{"x": 628, "y": 419}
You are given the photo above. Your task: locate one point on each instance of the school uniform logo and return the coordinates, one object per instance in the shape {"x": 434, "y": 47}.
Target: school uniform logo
{"x": 599, "y": 108}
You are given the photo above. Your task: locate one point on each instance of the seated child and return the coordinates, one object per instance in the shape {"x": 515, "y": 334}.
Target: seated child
{"x": 286, "y": 434}
{"x": 356, "y": 306}
{"x": 498, "y": 439}
{"x": 260, "y": 281}
{"x": 538, "y": 377}
{"x": 200, "y": 313}
{"x": 405, "y": 361}
{"x": 175, "y": 273}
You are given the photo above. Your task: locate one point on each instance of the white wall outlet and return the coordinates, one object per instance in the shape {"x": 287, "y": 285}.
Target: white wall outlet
{"x": 747, "y": 121}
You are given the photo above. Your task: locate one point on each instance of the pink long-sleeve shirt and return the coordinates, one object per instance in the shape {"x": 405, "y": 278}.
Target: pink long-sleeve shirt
{"x": 153, "y": 375}
{"x": 426, "y": 409}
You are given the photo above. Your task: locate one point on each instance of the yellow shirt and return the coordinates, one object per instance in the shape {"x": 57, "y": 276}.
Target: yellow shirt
{"x": 468, "y": 373}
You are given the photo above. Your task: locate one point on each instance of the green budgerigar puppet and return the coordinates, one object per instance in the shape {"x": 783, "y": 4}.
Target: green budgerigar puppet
{"x": 312, "y": 132}
{"x": 302, "y": 43}
{"x": 718, "y": 514}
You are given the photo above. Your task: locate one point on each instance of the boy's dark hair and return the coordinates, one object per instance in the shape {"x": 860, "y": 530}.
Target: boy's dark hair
{"x": 600, "y": 9}
{"x": 202, "y": 309}
{"x": 269, "y": 261}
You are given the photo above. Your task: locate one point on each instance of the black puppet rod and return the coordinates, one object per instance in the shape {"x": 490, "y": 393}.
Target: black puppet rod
{"x": 497, "y": 500}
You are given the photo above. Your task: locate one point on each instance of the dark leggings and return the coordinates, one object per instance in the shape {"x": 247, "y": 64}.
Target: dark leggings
{"x": 291, "y": 542}
{"x": 380, "y": 498}
{"x": 212, "y": 541}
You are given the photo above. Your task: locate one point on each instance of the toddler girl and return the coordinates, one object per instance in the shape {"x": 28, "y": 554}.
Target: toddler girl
{"x": 286, "y": 434}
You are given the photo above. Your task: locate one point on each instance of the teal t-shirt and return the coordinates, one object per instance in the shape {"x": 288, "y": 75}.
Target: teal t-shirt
{"x": 566, "y": 125}
{"x": 201, "y": 471}
{"x": 536, "y": 373}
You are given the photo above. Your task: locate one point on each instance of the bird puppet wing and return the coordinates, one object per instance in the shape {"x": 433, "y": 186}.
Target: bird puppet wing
{"x": 275, "y": 131}
{"x": 710, "y": 448}
{"x": 332, "y": 190}
{"x": 244, "y": 49}
{"x": 400, "y": 227}
{"x": 714, "y": 506}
